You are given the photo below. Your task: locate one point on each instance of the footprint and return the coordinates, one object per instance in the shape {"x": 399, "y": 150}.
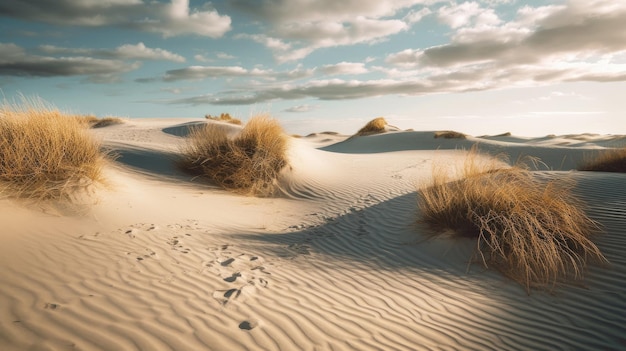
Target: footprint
{"x": 227, "y": 262}
{"x": 233, "y": 277}
{"x": 52, "y": 306}
{"x": 224, "y": 296}
{"x": 248, "y": 325}
{"x": 262, "y": 282}
{"x": 132, "y": 232}
{"x": 260, "y": 268}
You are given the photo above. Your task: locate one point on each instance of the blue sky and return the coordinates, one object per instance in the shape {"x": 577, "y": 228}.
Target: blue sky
{"x": 480, "y": 67}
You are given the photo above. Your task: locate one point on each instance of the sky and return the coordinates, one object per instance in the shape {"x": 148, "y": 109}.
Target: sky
{"x": 531, "y": 68}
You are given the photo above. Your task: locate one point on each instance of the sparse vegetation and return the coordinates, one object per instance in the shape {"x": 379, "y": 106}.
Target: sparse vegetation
{"x": 95, "y": 122}
{"x": 375, "y": 126}
{"x": 86, "y": 120}
{"x": 534, "y": 232}
{"x": 613, "y": 160}
{"x": 106, "y": 121}
{"x": 249, "y": 163}
{"x": 224, "y": 117}
{"x": 448, "y": 134}
{"x": 45, "y": 154}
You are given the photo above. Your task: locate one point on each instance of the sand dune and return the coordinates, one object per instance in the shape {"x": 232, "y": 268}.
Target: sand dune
{"x": 160, "y": 261}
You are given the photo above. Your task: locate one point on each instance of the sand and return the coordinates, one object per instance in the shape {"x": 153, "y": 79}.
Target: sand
{"x": 158, "y": 261}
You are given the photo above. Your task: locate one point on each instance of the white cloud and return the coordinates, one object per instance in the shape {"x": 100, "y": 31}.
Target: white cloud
{"x": 416, "y": 16}
{"x": 580, "y": 41}
{"x": 457, "y": 16}
{"x": 300, "y": 108}
{"x": 203, "y": 72}
{"x": 351, "y": 68}
{"x": 310, "y": 36}
{"x": 439, "y": 81}
{"x": 202, "y": 58}
{"x": 141, "y": 52}
{"x": 124, "y": 52}
{"x": 175, "y": 18}
{"x": 270, "y": 43}
{"x": 497, "y": 2}
{"x": 298, "y": 28}
{"x": 224, "y": 56}
{"x": 562, "y": 34}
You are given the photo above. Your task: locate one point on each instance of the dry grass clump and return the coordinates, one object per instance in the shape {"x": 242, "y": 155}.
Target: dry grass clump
{"x": 448, "y": 134}
{"x": 87, "y": 120}
{"x": 249, "y": 163}
{"x": 375, "y": 126}
{"x": 534, "y": 232}
{"x": 106, "y": 121}
{"x": 45, "y": 154}
{"x": 95, "y": 122}
{"x": 224, "y": 117}
{"x": 607, "y": 161}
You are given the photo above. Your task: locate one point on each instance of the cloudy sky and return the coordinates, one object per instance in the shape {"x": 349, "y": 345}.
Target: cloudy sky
{"x": 483, "y": 66}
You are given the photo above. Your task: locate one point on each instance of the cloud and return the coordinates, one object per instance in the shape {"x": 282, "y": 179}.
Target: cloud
{"x": 334, "y": 89}
{"x": 203, "y": 72}
{"x": 270, "y": 43}
{"x": 124, "y": 52}
{"x": 300, "y": 108}
{"x": 224, "y": 56}
{"x": 290, "y": 11}
{"x": 578, "y": 41}
{"x": 416, "y": 16}
{"x": 444, "y": 81}
{"x": 298, "y": 28}
{"x": 294, "y": 41}
{"x": 547, "y": 36}
{"x": 352, "y": 68}
{"x": 466, "y": 13}
{"x": 169, "y": 19}
{"x": 15, "y": 61}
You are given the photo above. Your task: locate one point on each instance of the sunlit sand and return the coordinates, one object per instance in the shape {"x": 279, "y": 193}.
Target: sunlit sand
{"x": 156, "y": 259}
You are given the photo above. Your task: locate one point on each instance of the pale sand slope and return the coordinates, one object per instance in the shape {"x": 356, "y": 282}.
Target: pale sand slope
{"x": 163, "y": 263}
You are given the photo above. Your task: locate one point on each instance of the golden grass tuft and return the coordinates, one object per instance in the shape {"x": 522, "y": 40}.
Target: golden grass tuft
{"x": 375, "y": 126}
{"x": 248, "y": 164}
{"x": 224, "y": 117}
{"x": 448, "y": 134}
{"x": 91, "y": 121}
{"x": 45, "y": 154}
{"x": 534, "y": 232}
{"x": 607, "y": 161}
{"x": 106, "y": 121}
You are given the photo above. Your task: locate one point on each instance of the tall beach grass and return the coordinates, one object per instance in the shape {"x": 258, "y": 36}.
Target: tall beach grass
{"x": 534, "y": 232}
{"x": 249, "y": 163}
{"x": 612, "y": 160}
{"x": 44, "y": 153}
